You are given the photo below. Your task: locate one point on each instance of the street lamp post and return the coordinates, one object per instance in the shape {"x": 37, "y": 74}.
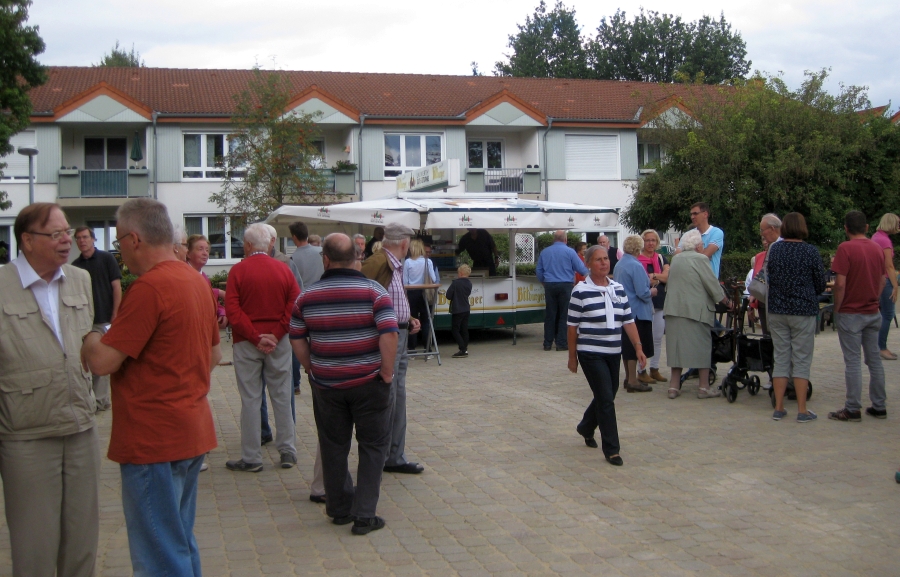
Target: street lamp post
{"x": 30, "y": 152}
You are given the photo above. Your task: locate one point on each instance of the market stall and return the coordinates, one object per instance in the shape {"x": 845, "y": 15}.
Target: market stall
{"x": 502, "y": 302}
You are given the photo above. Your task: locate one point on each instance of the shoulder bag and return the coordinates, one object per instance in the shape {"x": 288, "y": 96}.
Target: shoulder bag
{"x": 759, "y": 287}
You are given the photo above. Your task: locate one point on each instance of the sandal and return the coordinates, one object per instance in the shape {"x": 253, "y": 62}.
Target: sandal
{"x": 708, "y": 393}
{"x": 674, "y": 393}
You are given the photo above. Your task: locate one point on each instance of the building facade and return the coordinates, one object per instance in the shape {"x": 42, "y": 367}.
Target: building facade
{"x": 108, "y": 134}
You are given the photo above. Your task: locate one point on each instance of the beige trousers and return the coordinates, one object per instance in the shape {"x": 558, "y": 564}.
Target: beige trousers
{"x": 50, "y": 489}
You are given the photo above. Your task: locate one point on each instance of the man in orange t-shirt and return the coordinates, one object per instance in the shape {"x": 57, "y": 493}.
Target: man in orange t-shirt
{"x": 160, "y": 351}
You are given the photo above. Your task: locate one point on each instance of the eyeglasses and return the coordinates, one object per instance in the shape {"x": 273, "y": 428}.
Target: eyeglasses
{"x": 695, "y": 213}
{"x": 55, "y": 235}
{"x": 116, "y": 243}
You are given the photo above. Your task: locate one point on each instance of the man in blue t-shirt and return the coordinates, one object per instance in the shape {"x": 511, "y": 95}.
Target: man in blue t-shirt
{"x": 556, "y": 269}
{"x": 713, "y": 237}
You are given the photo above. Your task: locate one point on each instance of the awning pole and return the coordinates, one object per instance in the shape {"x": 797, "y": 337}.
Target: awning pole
{"x": 512, "y": 272}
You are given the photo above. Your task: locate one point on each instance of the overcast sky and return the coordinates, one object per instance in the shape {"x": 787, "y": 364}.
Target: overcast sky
{"x": 858, "y": 42}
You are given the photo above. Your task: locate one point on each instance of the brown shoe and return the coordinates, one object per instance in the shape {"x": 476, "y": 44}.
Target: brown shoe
{"x": 645, "y": 378}
{"x": 638, "y": 388}
{"x": 660, "y": 378}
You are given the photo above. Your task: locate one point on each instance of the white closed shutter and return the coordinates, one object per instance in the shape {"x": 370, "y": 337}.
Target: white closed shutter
{"x": 17, "y": 164}
{"x": 592, "y": 157}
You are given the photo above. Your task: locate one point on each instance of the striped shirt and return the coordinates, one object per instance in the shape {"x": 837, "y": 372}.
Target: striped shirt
{"x": 343, "y": 316}
{"x": 396, "y": 290}
{"x": 588, "y": 311}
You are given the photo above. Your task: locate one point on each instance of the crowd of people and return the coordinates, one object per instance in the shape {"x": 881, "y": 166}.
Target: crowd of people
{"x": 72, "y": 344}
{"x": 617, "y": 315}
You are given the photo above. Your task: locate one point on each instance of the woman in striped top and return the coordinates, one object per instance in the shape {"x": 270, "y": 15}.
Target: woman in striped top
{"x": 598, "y": 315}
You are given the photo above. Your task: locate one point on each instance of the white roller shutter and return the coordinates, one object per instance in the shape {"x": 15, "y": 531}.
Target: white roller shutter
{"x": 592, "y": 157}
{"x": 17, "y": 164}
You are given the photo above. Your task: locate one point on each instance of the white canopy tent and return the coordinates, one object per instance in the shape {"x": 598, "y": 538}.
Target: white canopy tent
{"x": 426, "y": 211}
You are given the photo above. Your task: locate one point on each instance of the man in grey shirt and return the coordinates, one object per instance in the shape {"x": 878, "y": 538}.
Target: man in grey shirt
{"x": 306, "y": 262}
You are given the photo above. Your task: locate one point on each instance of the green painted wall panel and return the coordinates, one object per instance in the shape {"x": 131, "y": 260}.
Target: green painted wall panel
{"x": 372, "y": 164}
{"x": 169, "y": 148}
{"x": 455, "y": 145}
{"x": 628, "y": 154}
{"x": 49, "y": 158}
{"x": 556, "y": 155}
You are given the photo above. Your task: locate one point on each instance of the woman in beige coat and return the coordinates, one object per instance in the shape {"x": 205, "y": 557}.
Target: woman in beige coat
{"x": 691, "y": 296}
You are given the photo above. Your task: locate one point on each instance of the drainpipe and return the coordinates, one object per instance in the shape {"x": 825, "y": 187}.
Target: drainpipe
{"x": 154, "y": 116}
{"x": 546, "y": 183}
{"x": 359, "y": 165}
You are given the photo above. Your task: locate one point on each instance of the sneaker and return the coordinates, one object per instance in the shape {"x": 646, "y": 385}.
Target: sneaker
{"x": 778, "y": 415}
{"x": 709, "y": 393}
{"x": 806, "y": 417}
{"x": 878, "y": 414}
{"x": 845, "y": 415}
{"x": 288, "y": 460}
{"x": 766, "y": 386}
{"x": 363, "y": 526}
{"x": 242, "y": 466}
{"x": 265, "y": 440}
{"x": 460, "y": 355}
{"x": 204, "y": 466}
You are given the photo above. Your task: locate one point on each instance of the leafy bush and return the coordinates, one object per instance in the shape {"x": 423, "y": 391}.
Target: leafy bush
{"x": 521, "y": 270}
{"x": 220, "y": 279}
{"x": 127, "y": 279}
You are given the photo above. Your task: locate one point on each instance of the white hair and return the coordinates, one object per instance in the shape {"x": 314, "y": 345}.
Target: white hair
{"x": 691, "y": 240}
{"x": 772, "y": 220}
{"x": 257, "y": 236}
{"x": 178, "y": 234}
{"x": 272, "y": 232}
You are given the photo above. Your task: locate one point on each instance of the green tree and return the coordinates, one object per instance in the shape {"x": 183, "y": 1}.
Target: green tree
{"x": 20, "y": 72}
{"x": 760, "y": 147}
{"x": 548, "y": 45}
{"x": 272, "y": 152}
{"x": 119, "y": 57}
{"x": 656, "y": 47}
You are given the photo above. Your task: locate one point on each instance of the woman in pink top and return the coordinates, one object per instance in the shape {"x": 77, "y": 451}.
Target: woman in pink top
{"x": 197, "y": 257}
{"x": 890, "y": 224}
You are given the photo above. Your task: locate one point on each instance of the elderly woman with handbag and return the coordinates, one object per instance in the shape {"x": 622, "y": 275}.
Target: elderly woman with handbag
{"x": 690, "y": 309}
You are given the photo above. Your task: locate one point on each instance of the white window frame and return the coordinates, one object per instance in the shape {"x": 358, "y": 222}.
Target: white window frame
{"x": 13, "y": 252}
{"x": 404, "y": 167}
{"x": 205, "y": 170}
{"x": 17, "y": 164}
{"x": 582, "y": 162}
{"x": 229, "y": 258}
{"x": 484, "y": 142}
{"x": 644, "y": 159}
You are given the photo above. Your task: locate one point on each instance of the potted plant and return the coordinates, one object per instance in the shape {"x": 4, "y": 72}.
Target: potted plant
{"x": 343, "y": 166}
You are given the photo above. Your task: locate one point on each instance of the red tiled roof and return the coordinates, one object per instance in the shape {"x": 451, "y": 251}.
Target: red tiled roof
{"x": 210, "y": 92}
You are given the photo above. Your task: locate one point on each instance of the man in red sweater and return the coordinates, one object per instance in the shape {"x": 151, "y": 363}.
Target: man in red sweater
{"x": 259, "y": 298}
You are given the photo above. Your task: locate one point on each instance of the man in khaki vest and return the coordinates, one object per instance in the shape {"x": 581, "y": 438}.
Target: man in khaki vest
{"x": 49, "y": 455}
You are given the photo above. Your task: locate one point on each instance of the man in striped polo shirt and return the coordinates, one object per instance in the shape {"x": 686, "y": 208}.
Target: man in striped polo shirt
{"x": 344, "y": 332}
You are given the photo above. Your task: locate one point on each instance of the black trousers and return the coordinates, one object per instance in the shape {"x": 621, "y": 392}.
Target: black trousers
{"x": 337, "y": 411}
{"x": 459, "y": 328}
{"x": 418, "y": 310}
{"x": 602, "y": 372}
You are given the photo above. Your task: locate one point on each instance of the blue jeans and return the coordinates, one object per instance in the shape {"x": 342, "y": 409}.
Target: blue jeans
{"x": 265, "y": 428}
{"x": 556, "y": 297}
{"x": 295, "y": 371}
{"x": 160, "y": 501}
{"x": 887, "y": 314}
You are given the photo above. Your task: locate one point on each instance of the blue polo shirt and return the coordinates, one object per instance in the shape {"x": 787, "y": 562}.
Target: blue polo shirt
{"x": 559, "y": 263}
{"x": 713, "y": 235}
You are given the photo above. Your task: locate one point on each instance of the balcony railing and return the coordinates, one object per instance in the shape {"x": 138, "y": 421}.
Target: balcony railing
{"x": 517, "y": 180}
{"x": 74, "y": 183}
{"x": 104, "y": 183}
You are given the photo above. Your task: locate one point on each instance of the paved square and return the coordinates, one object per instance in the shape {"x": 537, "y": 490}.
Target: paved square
{"x": 509, "y": 488}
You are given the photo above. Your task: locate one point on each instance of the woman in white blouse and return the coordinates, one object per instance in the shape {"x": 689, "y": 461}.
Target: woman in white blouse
{"x": 414, "y": 273}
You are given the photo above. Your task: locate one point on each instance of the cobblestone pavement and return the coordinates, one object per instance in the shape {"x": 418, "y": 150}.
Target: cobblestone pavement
{"x": 509, "y": 488}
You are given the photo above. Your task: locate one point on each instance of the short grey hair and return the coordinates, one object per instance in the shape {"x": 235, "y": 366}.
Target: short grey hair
{"x": 257, "y": 236}
{"x": 691, "y": 240}
{"x": 633, "y": 245}
{"x": 273, "y": 234}
{"x": 560, "y": 236}
{"x": 588, "y": 254}
{"x": 357, "y": 235}
{"x": 149, "y": 218}
{"x": 772, "y": 220}
{"x": 387, "y": 243}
